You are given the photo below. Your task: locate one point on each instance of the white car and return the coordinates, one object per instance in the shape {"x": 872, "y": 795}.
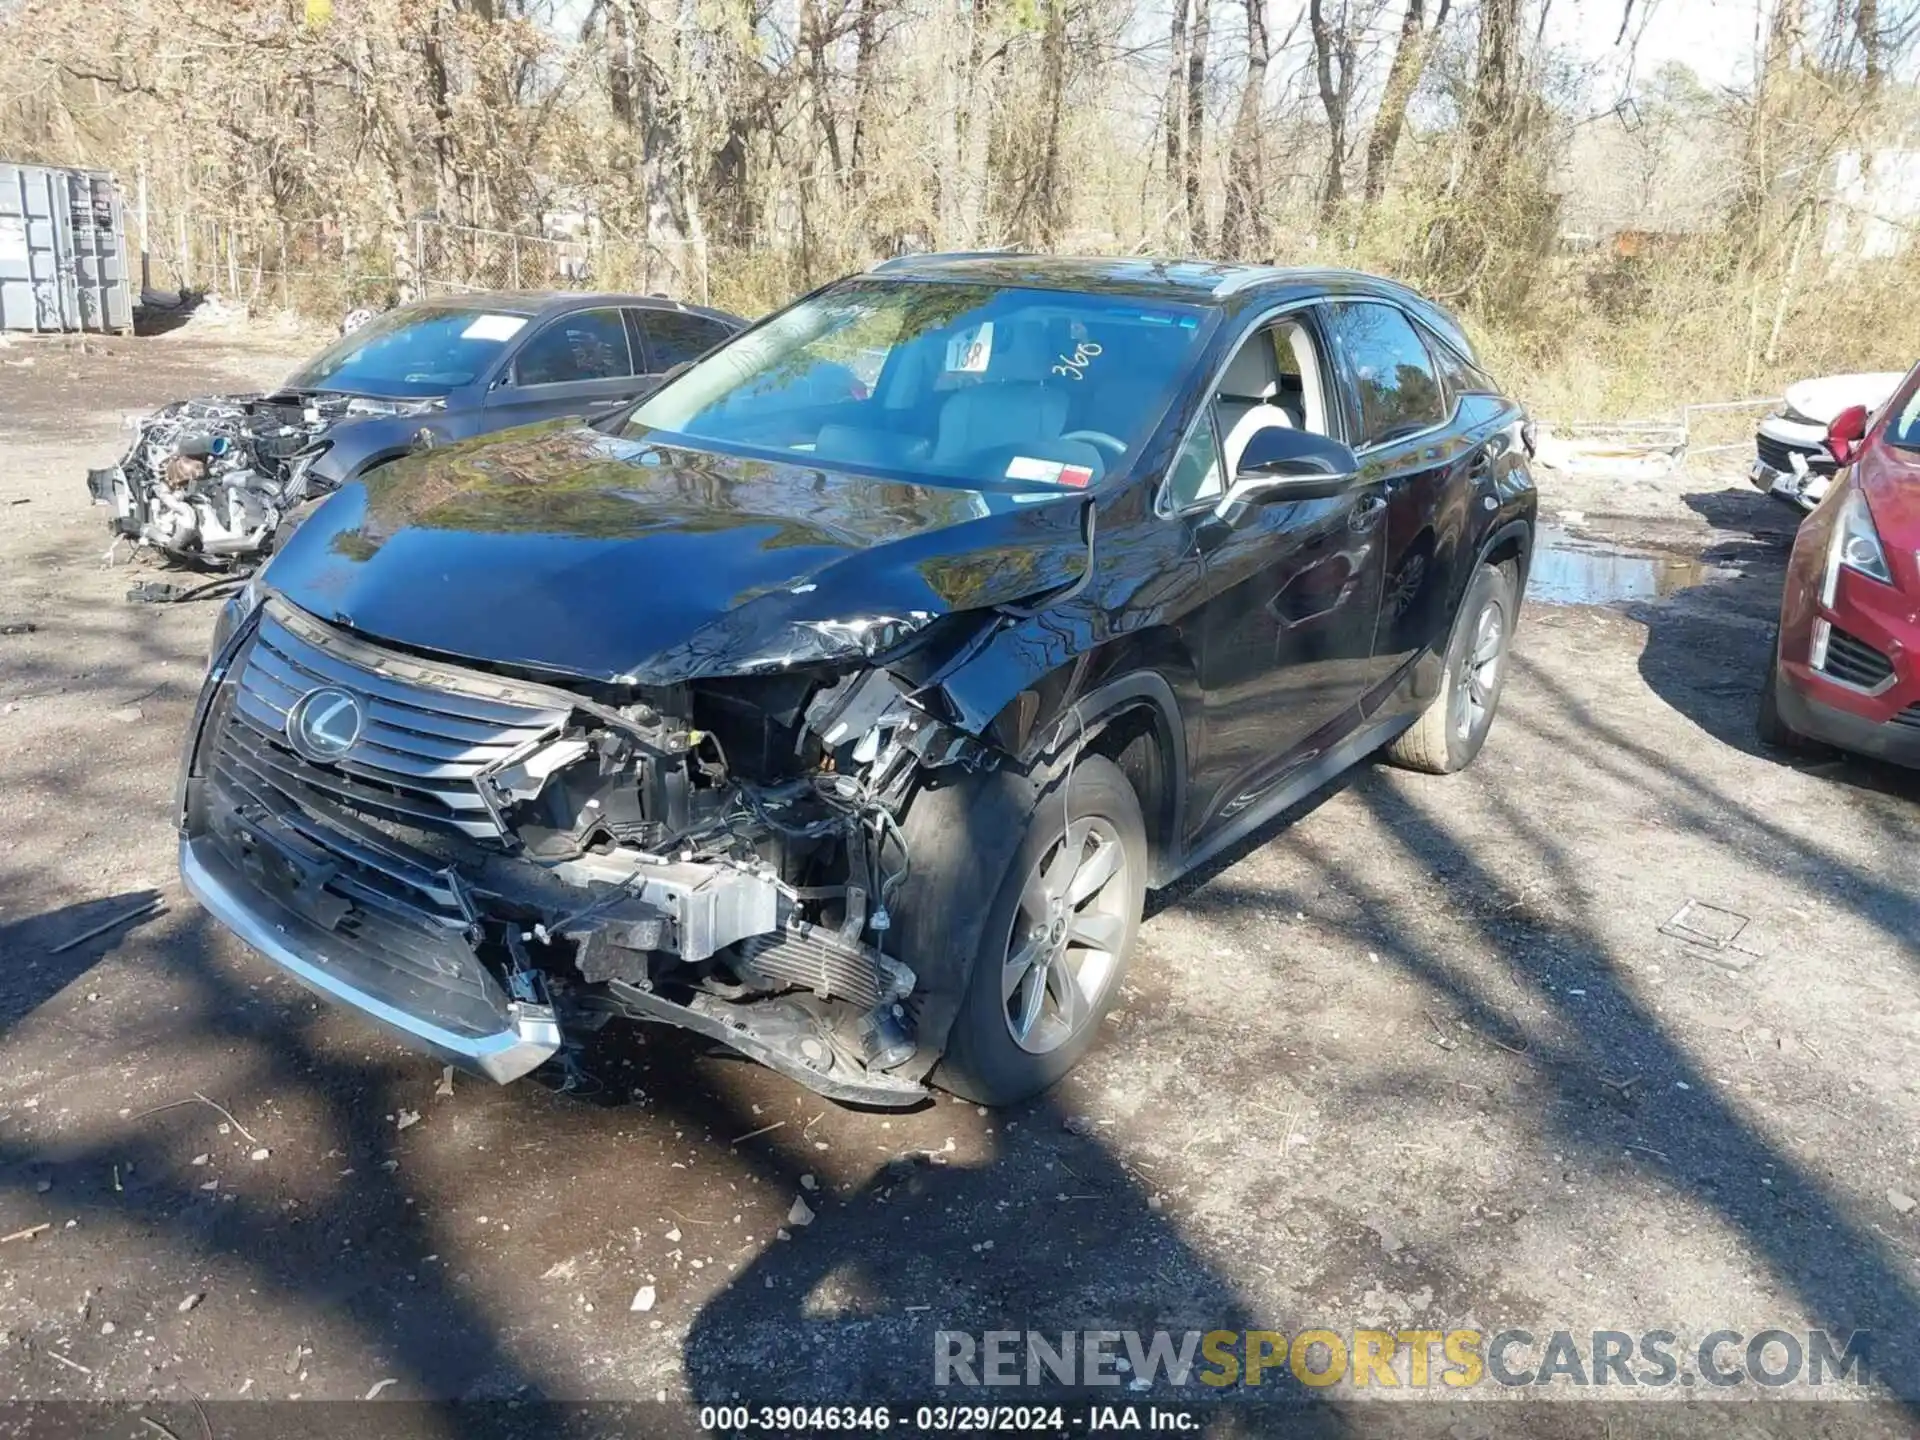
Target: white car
{"x": 1792, "y": 459}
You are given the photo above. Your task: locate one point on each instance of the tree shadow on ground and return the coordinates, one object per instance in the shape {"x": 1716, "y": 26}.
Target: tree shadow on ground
{"x": 350, "y": 1256}
{"x": 1598, "y": 1028}
{"x": 40, "y": 955}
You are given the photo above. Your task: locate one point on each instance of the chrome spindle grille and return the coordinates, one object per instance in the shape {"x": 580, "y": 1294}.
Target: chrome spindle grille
{"x": 417, "y": 759}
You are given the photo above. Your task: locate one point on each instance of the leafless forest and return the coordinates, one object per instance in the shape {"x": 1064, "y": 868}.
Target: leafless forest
{"x": 1618, "y": 244}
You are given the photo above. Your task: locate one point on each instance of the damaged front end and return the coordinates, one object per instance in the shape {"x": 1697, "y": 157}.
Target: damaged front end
{"x": 211, "y": 480}
{"x": 489, "y": 865}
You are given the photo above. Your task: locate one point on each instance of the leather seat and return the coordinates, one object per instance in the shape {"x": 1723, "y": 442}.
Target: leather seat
{"x": 856, "y": 446}
{"x": 1249, "y": 400}
{"x": 1013, "y": 406}
{"x": 994, "y": 415}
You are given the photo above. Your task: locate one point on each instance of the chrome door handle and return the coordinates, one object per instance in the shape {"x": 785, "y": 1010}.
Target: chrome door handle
{"x": 1366, "y": 512}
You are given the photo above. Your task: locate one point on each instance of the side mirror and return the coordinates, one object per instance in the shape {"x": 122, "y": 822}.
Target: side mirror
{"x": 1845, "y": 432}
{"x": 1285, "y": 464}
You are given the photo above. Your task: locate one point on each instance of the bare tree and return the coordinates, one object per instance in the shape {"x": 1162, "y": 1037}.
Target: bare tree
{"x": 1243, "y": 226}
{"x": 1403, "y": 78}
{"x": 1333, "y": 69}
{"x": 1196, "y": 123}
{"x": 1176, "y": 113}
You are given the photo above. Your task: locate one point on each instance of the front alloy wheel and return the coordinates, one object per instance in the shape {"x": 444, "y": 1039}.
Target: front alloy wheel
{"x": 1056, "y": 942}
{"x": 1066, "y": 937}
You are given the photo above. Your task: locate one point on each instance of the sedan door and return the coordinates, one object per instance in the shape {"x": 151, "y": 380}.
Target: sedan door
{"x": 1290, "y": 589}
{"x": 573, "y": 364}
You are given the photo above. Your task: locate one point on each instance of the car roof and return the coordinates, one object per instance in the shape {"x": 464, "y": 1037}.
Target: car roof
{"x": 1199, "y": 282}
{"x": 535, "y": 303}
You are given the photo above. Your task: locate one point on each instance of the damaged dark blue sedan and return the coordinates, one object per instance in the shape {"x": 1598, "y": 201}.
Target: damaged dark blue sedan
{"x": 841, "y": 701}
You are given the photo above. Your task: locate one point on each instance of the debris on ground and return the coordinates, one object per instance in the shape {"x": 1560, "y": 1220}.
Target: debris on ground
{"x": 261, "y": 1153}
{"x": 1902, "y": 1202}
{"x": 643, "y": 1298}
{"x": 198, "y": 1099}
{"x": 1619, "y": 450}
{"x": 406, "y": 1118}
{"x": 33, "y": 1230}
{"x": 378, "y": 1386}
{"x": 144, "y": 910}
{"x": 17, "y": 627}
{"x": 801, "y": 1213}
{"x": 445, "y": 1087}
{"x": 1699, "y": 923}
{"x": 1079, "y": 1125}
{"x": 192, "y": 1300}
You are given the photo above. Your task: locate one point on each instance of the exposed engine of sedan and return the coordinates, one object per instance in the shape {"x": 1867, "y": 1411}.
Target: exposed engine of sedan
{"x": 210, "y": 480}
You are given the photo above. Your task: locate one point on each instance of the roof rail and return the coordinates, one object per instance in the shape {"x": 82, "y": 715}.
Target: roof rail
{"x": 1244, "y": 276}
{"x": 896, "y": 261}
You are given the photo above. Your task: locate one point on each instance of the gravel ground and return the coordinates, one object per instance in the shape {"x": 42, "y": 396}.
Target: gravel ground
{"x": 1423, "y": 1057}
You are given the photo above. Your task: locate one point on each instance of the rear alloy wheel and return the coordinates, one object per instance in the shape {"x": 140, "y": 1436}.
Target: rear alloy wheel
{"x": 1478, "y": 689}
{"x": 1454, "y": 727}
{"x": 1057, "y": 941}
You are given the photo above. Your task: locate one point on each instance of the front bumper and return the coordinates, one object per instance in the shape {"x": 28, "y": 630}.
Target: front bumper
{"x": 1896, "y": 741}
{"x": 1849, "y": 671}
{"x": 407, "y": 1007}
{"x": 1805, "y": 488}
{"x": 1791, "y": 460}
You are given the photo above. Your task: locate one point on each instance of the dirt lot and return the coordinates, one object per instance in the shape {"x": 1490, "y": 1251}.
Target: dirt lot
{"x": 1421, "y": 1058}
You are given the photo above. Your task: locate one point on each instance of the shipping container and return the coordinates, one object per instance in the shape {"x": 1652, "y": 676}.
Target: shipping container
{"x": 63, "y": 251}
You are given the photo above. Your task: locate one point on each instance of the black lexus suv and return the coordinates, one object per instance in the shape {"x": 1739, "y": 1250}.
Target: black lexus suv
{"x": 841, "y": 700}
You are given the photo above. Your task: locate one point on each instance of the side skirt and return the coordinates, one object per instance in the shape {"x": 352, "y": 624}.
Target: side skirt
{"x": 1289, "y": 791}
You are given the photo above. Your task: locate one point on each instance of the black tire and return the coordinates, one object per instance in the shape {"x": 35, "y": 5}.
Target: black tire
{"x": 1450, "y": 732}
{"x": 1767, "y": 723}
{"x": 984, "y": 1062}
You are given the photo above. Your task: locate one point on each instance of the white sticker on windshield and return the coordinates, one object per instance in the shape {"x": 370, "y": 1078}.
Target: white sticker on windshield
{"x": 494, "y": 327}
{"x": 970, "y": 350}
{"x": 1026, "y": 467}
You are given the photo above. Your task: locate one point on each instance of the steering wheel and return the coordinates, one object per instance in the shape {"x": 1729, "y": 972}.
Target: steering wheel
{"x": 1098, "y": 438}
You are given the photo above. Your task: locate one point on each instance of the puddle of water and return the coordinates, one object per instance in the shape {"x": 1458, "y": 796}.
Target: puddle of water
{"x": 1571, "y": 569}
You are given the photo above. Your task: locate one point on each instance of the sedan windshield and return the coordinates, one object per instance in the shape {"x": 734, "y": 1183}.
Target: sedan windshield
{"x": 941, "y": 381}
{"x": 1904, "y": 428}
{"x": 416, "y": 350}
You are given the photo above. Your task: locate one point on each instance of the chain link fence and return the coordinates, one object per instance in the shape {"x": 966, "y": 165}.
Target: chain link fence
{"x": 322, "y": 269}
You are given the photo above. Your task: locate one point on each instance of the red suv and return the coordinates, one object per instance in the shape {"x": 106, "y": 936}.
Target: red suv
{"x": 1846, "y": 669}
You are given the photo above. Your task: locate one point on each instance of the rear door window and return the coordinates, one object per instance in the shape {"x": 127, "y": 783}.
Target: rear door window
{"x": 1459, "y": 376}
{"x": 674, "y": 336}
{"x": 586, "y": 345}
{"x": 1394, "y": 384}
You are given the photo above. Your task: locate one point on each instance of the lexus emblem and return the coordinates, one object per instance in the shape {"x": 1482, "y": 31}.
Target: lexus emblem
{"x": 325, "y": 724}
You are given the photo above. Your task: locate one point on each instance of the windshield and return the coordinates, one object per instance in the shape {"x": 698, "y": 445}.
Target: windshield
{"x": 416, "y": 350}
{"x": 942, "y": 381}
{"x": 1903, "y": 429}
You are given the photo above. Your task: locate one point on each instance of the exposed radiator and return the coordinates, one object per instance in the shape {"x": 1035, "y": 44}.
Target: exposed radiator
{"x": 822, "y": 961}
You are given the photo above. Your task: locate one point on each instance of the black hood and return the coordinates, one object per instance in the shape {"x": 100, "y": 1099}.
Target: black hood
{"x": 560, "y": 549}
